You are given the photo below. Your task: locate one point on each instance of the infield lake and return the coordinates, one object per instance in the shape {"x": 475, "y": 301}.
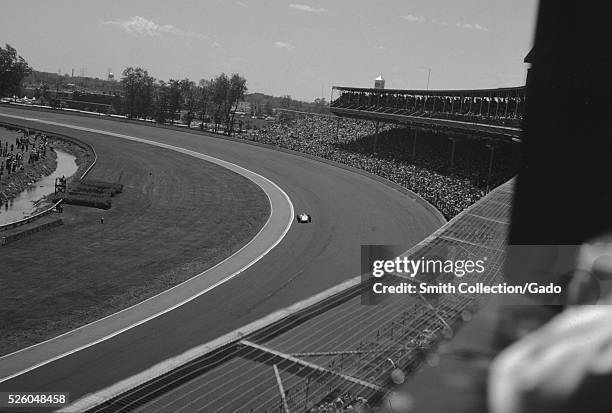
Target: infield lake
{"x": 24, "y": 204}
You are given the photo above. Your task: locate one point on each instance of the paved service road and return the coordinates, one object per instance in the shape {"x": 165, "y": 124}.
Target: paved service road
{"x": 348, "y": 210}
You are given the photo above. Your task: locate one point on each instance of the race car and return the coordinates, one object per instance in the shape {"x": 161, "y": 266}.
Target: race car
{"x": 303, "y": 218}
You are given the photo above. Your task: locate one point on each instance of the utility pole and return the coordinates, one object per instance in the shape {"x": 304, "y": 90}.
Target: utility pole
{"x": 428, "y": 76}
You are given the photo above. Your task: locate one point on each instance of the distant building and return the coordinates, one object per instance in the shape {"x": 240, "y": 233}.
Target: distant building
{"x": 379, "y": 83}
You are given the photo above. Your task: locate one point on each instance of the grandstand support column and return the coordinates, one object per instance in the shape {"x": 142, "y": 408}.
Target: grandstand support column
{"x": 516, "y": 106}
{"x": 414, "y": 143}
{"x": 376, "y": 135}
{"x": 452, "y": 159}
{"x": 281, "y": 390}
{"x": 507, "y": 102}
{"x": 492, "y": 154}
{"x": 337, "y": 129}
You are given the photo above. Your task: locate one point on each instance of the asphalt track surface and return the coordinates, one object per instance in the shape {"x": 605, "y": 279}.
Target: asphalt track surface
{"x": 348, "y": 210}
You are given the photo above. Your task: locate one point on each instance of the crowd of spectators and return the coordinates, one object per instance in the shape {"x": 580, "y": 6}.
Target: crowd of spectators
{"x": 17, "y": 152}
{"x": 429, "y": 173}
{"x": 343, "y": 403}
{"x": 395, "y": 402}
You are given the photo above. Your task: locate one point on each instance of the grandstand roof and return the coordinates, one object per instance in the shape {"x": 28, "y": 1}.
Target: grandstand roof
{"x": 530, "y": 57}
{"x": 471, "y": 92}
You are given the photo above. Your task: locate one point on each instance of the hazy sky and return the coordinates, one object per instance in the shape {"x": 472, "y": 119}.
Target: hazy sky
{"x": 294, "y": 47}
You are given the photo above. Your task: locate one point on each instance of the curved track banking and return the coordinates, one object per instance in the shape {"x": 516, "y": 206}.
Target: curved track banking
{"x": 348, "y": 210}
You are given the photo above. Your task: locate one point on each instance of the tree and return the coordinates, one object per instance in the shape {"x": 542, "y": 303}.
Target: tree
{"x": 138, "y": 89}
{"x": 161, "y": 102}
{"x": 220, "y": 90}
{"x": 144, "y": 96}
{"x": 130, "y": 90}
{"x": 189, "y": 95}
{"x": 175, "y": 102}
{"x": 237, "y": 90}
{"x": 204, "y": 94}
{"x": 320, "y": 102}
{"x": 13, "y": 68}
{"x": 42, "y": 93}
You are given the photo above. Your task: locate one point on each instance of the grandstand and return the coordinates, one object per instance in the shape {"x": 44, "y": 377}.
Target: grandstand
{"x": 485, "y": 111}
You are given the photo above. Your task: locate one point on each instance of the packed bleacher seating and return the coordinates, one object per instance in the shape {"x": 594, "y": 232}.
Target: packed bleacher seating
{"x": 503, "y": 107}
{"x": 343, "y": 403}
{"x": 428, "y": 174}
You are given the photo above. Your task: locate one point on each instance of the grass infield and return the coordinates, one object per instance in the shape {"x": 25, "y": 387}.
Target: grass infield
{"x": 176, "y": 217}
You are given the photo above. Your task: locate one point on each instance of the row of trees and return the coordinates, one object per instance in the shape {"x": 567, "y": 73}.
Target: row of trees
{"x": 213, "y": 100}
{"x": 140, "y": 95}
{"x": 264, "y": 104}
{"x": 13, "y": 69}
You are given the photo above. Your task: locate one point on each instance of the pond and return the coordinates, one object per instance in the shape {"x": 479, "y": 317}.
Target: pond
{"x": 24, "y": 204}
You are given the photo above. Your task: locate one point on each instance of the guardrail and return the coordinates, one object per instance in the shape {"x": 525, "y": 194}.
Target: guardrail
{"x": 49, "y": 210}
{"x": 32, "y": 218}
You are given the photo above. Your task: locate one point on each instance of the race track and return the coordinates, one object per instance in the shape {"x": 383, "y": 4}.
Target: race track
{"x": 348, "y": 210}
